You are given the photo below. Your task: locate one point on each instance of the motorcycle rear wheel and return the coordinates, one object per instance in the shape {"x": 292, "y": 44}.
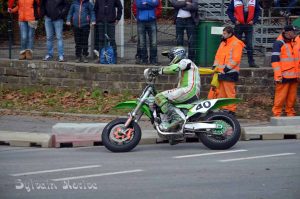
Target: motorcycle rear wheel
{"x": 224, "y": 138}
{"x": 116, "y": 142}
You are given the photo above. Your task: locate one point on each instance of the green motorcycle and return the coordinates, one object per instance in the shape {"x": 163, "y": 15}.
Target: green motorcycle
{"x": 216, "y": 129}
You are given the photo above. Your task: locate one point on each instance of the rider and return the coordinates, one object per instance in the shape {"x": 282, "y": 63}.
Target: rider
{"x": 187, "y": 91}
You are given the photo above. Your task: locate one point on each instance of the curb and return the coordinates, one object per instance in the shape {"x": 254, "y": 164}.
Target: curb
{"x": 25, "y": 139}
{"x": 271, "y": 133}
{"x": 77, "y": 134}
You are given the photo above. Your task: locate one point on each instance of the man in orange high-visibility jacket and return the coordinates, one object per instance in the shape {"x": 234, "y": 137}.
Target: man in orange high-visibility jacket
{"x": 285, "y": 63}
{"x": 227, "y": 63}
{"x": 297, "y": 40}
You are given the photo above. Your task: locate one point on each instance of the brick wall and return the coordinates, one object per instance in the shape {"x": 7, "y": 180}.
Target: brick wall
{"x": 116, "y": 78}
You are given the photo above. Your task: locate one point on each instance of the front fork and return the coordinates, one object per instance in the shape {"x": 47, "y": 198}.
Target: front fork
{"x": 133, "y": 117}
{"x": 136, "y": 114}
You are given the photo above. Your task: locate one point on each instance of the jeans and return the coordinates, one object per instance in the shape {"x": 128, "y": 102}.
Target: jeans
{"x": 27, "y": 35}
{"x": 248, "y": 31}
{"x": 57, "y": 28}
{"x": 150, "y": 28}
{"x": 291, "y": 4}
{"x": 187, "y": 24}
{"x": 81, "y": 36}
{"x": 110, "y": 30}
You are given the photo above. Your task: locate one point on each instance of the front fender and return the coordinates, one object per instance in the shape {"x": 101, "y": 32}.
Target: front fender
{"x": 132, "y": 104}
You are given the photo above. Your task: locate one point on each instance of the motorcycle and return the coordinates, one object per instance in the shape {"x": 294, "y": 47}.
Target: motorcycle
{"x": 216, "y": 129}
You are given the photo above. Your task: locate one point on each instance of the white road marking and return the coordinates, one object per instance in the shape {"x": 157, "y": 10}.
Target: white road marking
{"x": 97, "y": 175}
{"x": 55, "y": 170}
{"x": 257, "y": 157}
{"x": 207, "y": 154}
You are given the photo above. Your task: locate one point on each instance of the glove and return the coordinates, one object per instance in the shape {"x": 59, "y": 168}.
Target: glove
{"x": 155, "y": 71}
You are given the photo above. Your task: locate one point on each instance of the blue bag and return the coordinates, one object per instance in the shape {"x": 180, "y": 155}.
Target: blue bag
{"x": 107, "y": 54}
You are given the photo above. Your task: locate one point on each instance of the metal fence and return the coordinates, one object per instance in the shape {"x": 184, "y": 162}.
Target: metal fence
{"x": 265, "y": 33}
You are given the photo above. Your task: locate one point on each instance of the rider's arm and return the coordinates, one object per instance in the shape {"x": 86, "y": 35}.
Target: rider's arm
{"x": 172, "y": 69}
{"x": 184, "y": 64}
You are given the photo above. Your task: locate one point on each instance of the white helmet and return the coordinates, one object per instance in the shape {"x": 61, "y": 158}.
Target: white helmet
{"x": 176, "y": 54}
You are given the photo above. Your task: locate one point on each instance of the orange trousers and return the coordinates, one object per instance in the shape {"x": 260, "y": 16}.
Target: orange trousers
{"x": 285, "y": 94}
{"x": 226, "y": 90}
{"x": 213, "y": 93}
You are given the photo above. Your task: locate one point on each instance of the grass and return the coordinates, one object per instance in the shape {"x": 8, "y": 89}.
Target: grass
{"x": 6, "y": 104}
{"x": 58, "y": 100}
{"x": 96, "y": 101}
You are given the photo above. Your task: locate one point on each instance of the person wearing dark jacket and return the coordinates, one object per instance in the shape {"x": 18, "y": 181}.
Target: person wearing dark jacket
{"x": 186, "y": 18}
{"x": 82, "y": 14}
{"x": 54, "y": 11}
{"x": 244, "y": 14}
{"x": 106, "y": 19}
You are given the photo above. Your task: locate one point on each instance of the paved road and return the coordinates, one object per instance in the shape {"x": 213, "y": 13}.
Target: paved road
{"x": 250, "y": 170}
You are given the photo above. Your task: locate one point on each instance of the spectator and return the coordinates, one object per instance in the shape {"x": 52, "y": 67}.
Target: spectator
{"x": 158, "y": 13}
{"x": 146, "y": 24}
{"x": 244, "y": 14}
{"x": 96, "y": 39}
{"x": 285, "y": 63}
{"x": 285, "y": 12}
{"x": 227, "y": 62}
{"x": 186, "y": 18}
{"x": 28, "y": 12}
{"x": 54, "y": 11}
{"x": 106, "y": 19}
{"x": 82, "y": 13}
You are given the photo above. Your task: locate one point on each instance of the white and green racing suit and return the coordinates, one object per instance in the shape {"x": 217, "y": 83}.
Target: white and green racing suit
{"x": 188, "y": 88}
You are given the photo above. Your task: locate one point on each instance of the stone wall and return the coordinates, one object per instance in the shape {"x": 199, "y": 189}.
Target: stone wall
{"x": 114, "y": 78}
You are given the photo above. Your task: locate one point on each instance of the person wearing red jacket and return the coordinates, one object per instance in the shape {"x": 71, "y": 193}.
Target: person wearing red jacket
{"x": 244, "y": 15}
{"x": 28, "y": 12}
{"x": 285, "y": 63}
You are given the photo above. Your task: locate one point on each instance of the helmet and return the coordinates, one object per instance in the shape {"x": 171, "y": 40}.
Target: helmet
{"x": 176, "y": 54}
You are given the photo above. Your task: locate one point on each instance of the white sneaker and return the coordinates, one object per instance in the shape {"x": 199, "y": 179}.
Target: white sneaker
{"x": 61, "y": 59}
{"x": 96, "y": 52}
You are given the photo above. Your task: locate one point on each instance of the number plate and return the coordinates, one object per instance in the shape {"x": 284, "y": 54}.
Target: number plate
{"x": 204, "y": 106}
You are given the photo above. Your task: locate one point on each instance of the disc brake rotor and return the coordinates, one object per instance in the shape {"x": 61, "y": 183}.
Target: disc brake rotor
{"x": 120, "y": 134}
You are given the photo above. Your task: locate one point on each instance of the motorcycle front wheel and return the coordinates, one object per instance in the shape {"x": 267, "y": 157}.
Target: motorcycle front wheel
{"x": 117, "y": 138}
{"x": 222, "y": 138}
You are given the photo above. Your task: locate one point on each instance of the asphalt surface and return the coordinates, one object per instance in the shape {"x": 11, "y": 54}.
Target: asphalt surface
{"x": 250, "y": 170}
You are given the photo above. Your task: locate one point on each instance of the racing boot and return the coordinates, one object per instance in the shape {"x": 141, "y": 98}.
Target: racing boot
{"x": 174, "y": 119}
